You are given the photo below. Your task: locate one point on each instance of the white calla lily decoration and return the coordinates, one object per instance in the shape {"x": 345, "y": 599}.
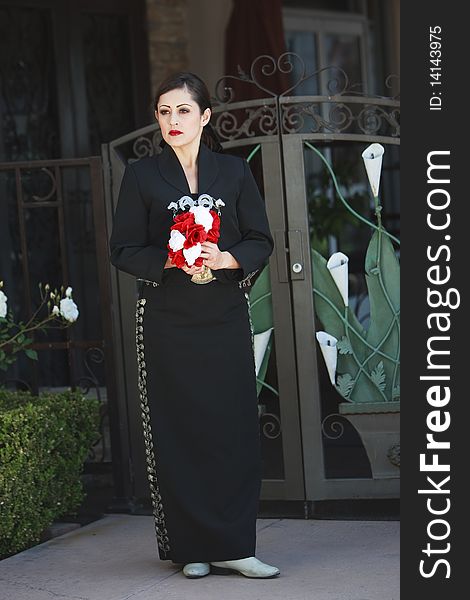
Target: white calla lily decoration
{"x": 330, "y": 352}
{"x": 261, "y": 341}
{"x": 372, "y": 157}
{"x": 338, "y": 267}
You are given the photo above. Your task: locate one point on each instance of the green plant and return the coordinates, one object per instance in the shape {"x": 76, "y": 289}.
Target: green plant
{"x": 368, "y": 360}
{"x": 44, "y": 442}
{"x": 363, "y": 364}
{"x": 261, "y": 314}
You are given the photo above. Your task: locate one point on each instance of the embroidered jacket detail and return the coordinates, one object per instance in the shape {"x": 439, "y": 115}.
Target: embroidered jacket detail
{"x": 186, "y": 203}
{"x": 246, "y": 281}
{"x": 247, "y": 298}
{"x": 157, "y": 505}
{"x": 148, "y": 282}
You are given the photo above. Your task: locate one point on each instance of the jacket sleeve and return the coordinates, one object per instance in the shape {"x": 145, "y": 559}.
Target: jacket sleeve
{"x": 129, "y": 246}
{"x": 257, "y": 244}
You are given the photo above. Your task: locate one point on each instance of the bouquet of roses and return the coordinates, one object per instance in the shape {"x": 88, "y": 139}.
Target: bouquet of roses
{"x": 193, "y": 224}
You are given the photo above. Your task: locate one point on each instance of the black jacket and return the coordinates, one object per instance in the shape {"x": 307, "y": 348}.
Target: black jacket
{"x": 142, "y": 220}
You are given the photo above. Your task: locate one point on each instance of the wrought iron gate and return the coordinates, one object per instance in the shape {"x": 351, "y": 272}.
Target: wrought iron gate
{"x": 53, "y": 231}
{"x": 302, "y": 459}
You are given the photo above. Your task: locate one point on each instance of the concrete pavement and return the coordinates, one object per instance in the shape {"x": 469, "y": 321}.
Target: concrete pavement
{"x": 115, "y": 558}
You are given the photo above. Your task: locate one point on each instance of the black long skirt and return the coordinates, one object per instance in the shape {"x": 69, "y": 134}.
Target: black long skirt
{"x": 198, "y": 398}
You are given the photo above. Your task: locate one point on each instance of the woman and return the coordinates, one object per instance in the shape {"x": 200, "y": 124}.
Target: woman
{"x": 195, "y": 354}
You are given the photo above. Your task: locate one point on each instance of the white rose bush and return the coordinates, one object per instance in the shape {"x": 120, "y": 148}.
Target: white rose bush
{"x": 3, "y": 305}
{"x": 60, "y": 312}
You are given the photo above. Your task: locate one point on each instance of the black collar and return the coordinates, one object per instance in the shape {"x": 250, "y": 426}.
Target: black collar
{"x": 171, "y": 169}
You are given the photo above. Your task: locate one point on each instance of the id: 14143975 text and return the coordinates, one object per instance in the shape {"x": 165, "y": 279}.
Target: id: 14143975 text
{"x": 435, "y": 69}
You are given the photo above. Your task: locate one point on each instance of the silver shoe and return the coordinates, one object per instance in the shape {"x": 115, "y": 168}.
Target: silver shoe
{"x": 193, "y": 570}
{"x": 250, "y": 567}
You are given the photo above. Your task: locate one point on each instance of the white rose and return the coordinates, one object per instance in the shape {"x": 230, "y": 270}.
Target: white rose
{"x": 68, "y": 292}
{"x": 3, "y": 305}
{"x": 177, "y": 240}
{"x": 68, "y": 309}
{"x": 202, "y": 216}
{"x": 190, "y": 254}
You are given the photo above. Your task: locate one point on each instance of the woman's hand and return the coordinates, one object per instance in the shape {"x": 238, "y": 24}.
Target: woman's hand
{"x": 189, "y": 270}
{"x": 192, "y": 270}
{"x": 214, "y": 258}
{"x": 169, "y": 264}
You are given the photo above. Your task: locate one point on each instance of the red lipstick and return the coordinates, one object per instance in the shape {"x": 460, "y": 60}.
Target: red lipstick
{"x": 175, "y": 132}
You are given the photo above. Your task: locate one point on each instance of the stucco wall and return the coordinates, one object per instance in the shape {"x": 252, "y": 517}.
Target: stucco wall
{"x": 167, "y": 30}
{"x": 207, "y": 21}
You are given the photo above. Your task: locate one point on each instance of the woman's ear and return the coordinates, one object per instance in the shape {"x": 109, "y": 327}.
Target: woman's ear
{"x": 206, "y": 115}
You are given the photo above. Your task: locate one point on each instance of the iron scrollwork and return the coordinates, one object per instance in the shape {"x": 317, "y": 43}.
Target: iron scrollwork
{"x": 333, "y": 423}
{"x": 147, "y": 145}
{"x": 343, "y": 109}
{"x": 262, "y": 65}
{"x": 270, "y": 423}
{"x": 19, "y": 384}
{"x": 86, "y": 383}
{"x": 229, "y": 127}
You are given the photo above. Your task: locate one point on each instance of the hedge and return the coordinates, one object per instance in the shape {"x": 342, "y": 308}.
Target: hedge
{"x": 44, "y": 441}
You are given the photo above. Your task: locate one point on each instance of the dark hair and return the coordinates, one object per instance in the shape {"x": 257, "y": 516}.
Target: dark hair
{"x": 200, "y": 94}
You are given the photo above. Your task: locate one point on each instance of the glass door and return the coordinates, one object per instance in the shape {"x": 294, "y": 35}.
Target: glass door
{"x": 278, "y": 394}
{"x": 335, "y": 459}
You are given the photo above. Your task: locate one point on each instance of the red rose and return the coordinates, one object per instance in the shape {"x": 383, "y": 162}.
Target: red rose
{"x": 183, "y": 216}
{"x": 177, "y": 258}
{"x": 182, "y": 222}
{"x": 214, "y": 233}
{"x": 195, "y": 234}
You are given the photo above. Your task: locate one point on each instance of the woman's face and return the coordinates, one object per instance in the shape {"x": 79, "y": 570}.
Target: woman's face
{"x": 180, "y": 118}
